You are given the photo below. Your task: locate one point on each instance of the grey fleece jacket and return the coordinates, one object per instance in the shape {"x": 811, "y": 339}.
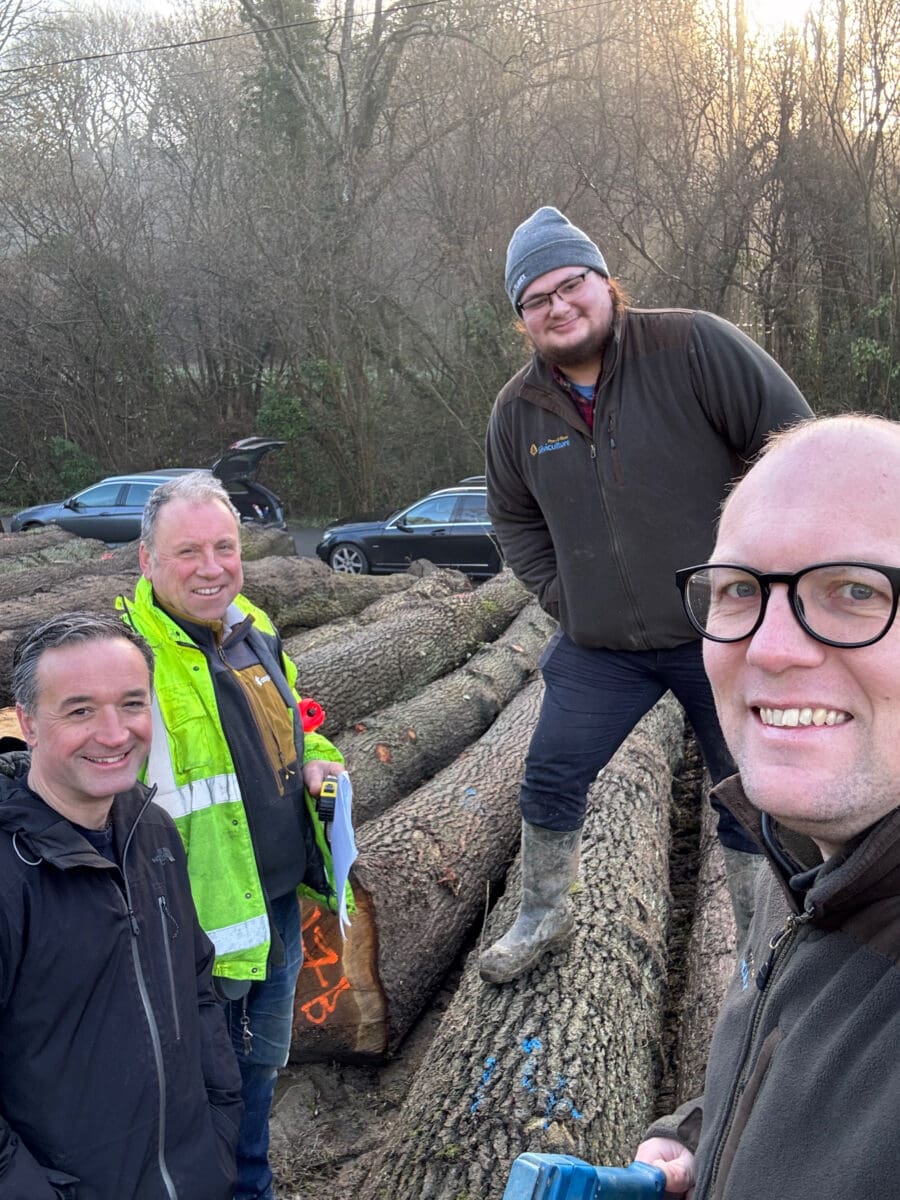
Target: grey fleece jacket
{"x": 596, "y": 525}
{"x": 803, "y": 1079}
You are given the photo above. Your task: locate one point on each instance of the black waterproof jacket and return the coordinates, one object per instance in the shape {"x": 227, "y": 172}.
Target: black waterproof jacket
{"x": 596, "y": 524}
{"x": 117, "y": 1077}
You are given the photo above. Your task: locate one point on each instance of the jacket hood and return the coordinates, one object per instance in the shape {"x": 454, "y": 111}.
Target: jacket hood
{"x": 15, "y": 758}
{"x": 40, "y": 831}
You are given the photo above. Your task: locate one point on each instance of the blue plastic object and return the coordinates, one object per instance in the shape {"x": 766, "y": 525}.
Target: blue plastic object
{"x": 564, "y": 1177}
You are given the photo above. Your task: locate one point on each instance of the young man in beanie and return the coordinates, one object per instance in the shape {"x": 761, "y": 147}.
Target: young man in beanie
{"x": 608, "y": 457}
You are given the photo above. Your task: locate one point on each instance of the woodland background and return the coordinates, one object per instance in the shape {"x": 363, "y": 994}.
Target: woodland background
{"x": 289, "y": 217}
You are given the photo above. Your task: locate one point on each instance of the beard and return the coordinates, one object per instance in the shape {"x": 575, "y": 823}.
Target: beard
{"x": 585, "y": 351}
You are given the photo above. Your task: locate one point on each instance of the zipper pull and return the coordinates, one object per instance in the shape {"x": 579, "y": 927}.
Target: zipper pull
{"x": 135, "y": 928}
{"x": 762, "y": 975}
{"x": 167, "y": 916}
{"x": 791, "y": 925}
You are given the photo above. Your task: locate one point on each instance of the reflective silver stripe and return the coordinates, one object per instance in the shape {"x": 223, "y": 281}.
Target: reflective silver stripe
{"x": 191, "y": 797}
{"x": 242, "y": 936}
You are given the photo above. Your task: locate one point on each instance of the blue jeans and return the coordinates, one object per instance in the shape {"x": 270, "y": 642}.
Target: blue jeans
{"x": 266, "y": 1013}
{"x": 592, "y": 701}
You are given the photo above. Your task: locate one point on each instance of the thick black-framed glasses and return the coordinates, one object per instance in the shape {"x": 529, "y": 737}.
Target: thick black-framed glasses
{"x": 846, "y": 604}
{"x": 541, "y": 302}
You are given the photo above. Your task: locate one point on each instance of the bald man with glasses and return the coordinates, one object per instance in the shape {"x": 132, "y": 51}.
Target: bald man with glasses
{"x": 797, "y": 608}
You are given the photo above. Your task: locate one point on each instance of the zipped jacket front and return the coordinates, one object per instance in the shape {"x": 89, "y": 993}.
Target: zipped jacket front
{"x": 803, "y": 1080}
{"x": 117, "y": 1076}
{"x": 596, "y": 523}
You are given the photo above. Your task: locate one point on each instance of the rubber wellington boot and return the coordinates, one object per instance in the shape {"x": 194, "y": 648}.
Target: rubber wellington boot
{"x": 549, "y": 868}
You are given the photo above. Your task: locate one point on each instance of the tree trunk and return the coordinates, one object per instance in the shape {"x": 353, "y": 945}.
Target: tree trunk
{"x": 22, "y": 554}
{"x": 28, "y": 570}
{"x": 259, "y": 541}
{"x": 392, "y": 751}
{"x": 301, "y": 593}
{"x": 92, "y": 592}
{"x": 564, "y": 1059}
{"x": 709, "y": 964}
{"x": 436, "y": 585}
{"x": 290, "y": 590}
{"x": 46, "y": 572}
{"x": 32, "y": 540}
{"x": 395, "y": 658}
{"x": 421, "y": 881}
{"x": 9, "y": 723}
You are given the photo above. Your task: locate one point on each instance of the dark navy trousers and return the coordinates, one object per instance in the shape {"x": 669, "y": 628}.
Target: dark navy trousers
{"x": 267, "y": 1012}
{"x": 592, "y": 701}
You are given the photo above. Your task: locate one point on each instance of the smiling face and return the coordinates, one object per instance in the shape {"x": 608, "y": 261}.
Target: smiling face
{"x": 814, "y": 729}
{"x": 572, "y": 331}
{"x": 89, "y": 730}
{"x": 195, "y": 562}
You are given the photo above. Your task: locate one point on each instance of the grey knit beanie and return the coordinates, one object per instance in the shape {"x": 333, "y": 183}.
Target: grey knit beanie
{"x": 546, "y": 241}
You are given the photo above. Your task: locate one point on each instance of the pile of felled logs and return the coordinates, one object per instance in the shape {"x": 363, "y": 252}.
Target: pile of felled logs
{"x": 431, "y": 692}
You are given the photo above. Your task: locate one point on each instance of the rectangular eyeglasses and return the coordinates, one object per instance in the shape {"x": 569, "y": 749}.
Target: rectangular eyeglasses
{"x": 845, "y": 604}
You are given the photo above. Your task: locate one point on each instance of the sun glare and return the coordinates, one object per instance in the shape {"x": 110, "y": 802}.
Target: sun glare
{"x": 770, "y": 17}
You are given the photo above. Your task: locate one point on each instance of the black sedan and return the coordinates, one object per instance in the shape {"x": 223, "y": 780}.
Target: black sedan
{"x": 450, "y": 528}
{"x": 111, "y": 510}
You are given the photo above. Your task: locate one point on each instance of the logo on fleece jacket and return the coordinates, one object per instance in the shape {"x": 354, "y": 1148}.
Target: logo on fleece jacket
{"x": 557, "y": 443}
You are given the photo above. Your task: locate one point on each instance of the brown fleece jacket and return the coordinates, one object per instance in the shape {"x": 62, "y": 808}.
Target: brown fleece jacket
{"x": 596, "y": 524}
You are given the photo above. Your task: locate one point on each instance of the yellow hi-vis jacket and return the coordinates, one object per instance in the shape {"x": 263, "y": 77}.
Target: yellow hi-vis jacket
{"x": 192, "y": 768}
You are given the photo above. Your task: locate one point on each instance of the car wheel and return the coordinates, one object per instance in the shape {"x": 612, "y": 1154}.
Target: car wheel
{"x": 33, "y": 525}
{"x": 349, "y": 559}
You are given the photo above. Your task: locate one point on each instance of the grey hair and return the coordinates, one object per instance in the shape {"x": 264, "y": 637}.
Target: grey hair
{"x": 66, "y": 629}
{"x": 199, "y": 487}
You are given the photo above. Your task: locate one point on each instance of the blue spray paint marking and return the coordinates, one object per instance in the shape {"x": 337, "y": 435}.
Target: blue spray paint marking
{"x": 558, "y": 1105}
{"x": 555, "y": 1100}
{"x": 529, "y": 1046}
{"x": 489, "y": 1063}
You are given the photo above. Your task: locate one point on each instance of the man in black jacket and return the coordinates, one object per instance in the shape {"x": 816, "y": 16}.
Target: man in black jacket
{"x": 117, "y": 1077}
{"x": 608, "y": 457}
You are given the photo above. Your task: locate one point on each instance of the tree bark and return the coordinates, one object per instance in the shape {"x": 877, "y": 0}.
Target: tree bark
{"x": 436, "y": 585}
{"x": 709, "y": 964}
{"x": 420, "y": 882}
{"x": 394, "y": 750}
{"x": 301, "y": 593}
{"x": 32, "y": 540}
{"x": 28, "y": 570}
{"x": 33, "y": 575}
{"x": 290, "y": 590}
{"x": 260, "y": 541}
{"x": 564, "y": 1059}
{"x": 9, "y": 723}
{"x": 395, "y": 658}
{"x": 92, "y": 593}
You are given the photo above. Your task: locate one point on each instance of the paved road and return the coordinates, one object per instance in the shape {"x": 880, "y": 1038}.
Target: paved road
{"x": 305, "y": 539}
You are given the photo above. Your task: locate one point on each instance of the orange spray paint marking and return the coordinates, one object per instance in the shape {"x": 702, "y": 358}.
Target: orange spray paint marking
{"x": 316, "y": 957}
{"x": 320, "y": 1007}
